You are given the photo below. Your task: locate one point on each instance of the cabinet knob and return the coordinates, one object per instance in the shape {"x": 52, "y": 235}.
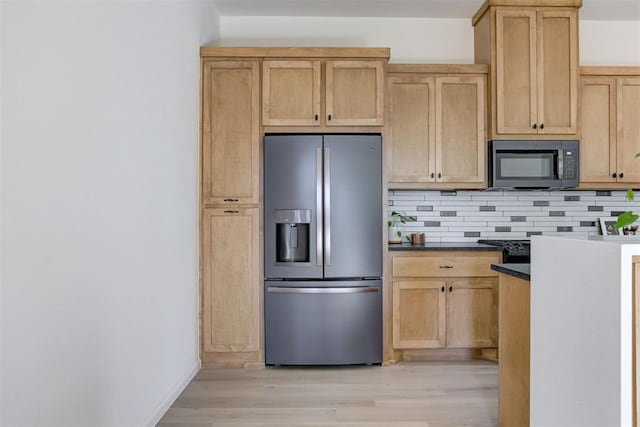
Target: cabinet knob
{"x": 433, "y": 175}
{"x": 439, "y": 175}
{"x": 535, "y": 126}
{"x": 542, "y": 126}
{"x": 329, "y": 117}
{"x": 621, "y": 174}
{"x": 316, "y": 118}
{"x": 614, "y": 175}
{"x": 450, "y": 288}
{"x": 442, "y": 289}
{"x": 230, "y": 200}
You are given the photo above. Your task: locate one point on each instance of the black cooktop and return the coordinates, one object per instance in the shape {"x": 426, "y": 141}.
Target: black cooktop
{"x": 513, "y": 250}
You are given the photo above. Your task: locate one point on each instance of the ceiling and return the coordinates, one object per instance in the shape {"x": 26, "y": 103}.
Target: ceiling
{"x": 607, "y": 10}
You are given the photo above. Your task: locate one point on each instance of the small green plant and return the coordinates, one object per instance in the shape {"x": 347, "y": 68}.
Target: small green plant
{"x": 627, "y": 218}
{"x": 396, "y": 218}
{"x": 399, "y": 217}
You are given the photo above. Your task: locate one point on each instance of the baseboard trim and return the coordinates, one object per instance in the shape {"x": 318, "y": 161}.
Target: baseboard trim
{"x": 172, "y": 395}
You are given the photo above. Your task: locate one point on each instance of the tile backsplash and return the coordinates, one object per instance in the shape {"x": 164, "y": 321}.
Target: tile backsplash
{"x": 466, "y": 216}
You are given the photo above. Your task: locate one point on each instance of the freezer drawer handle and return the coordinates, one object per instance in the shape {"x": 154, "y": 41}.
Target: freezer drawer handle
{"x": 280, "y": 290}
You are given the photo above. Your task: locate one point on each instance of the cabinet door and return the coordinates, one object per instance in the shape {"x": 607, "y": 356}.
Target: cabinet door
{"x": 516, "y": 97}
{"x": 230, "y": 132}
{"x": 354, "y": 93}
{"x": 598, "y": 128}
{"x": 291, "y": 93}
{"x": 419, "y": 314}
{"x": 472, "y": 308}
{"x": 557, "y": 63}
{"x": 411, "y": 129}
{"x": 460, "y": 129}
{"x": 231, "y": 280}
{"x": 628, "y": 129}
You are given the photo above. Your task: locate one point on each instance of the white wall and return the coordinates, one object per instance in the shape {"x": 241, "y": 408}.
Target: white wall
{"x": 410, "y": 39}
{"x": 610, "y": 42}
{"x": 417, "y": 39}
{"x": 98, "y": 208}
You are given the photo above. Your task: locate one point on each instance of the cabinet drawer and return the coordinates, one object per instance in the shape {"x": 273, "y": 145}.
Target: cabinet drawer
{"x": 445, "y": 266}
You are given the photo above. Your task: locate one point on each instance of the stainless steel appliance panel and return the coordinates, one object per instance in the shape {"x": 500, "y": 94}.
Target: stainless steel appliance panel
{"x": 293, "y": 189}
{"x": 308, "y": 323}
{"x": 353, "y": 206}
{"x": 534, "y": 164}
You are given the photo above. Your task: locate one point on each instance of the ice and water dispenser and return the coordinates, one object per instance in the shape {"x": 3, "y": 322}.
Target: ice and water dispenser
{"x": 292, "y": 234}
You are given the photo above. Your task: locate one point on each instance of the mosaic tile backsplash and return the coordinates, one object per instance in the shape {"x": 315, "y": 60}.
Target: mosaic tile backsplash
{"x": 466, "y": 216}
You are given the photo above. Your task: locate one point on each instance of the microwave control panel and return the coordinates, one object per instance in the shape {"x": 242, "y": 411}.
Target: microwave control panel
{"x": 570, "y": 166}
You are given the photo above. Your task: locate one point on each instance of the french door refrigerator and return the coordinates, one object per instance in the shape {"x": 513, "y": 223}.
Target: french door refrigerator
{"x": 323, "y": 249}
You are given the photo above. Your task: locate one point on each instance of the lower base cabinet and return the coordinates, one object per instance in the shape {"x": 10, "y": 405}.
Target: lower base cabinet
{"x": 230, "y": 306}
{"x": 444, "y": 312}
{"x": 455, "y": 313}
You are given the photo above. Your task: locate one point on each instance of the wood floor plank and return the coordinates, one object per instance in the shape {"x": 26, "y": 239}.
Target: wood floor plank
{"x": 407, "y": 394}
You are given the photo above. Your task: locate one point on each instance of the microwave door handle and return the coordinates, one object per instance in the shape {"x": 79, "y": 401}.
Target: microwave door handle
{"x": 560, "y": 164}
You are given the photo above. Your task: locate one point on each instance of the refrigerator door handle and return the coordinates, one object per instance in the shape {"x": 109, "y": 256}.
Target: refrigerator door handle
{"x": 319, "y": 222}
{"x": 327, "y": 207}
{"x": 357, "y": 290}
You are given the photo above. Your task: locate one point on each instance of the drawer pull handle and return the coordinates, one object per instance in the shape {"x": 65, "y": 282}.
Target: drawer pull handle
{"x": 231, "y": 212}
{"x": 230, "y": 200}
{"x": 446, "y": 266}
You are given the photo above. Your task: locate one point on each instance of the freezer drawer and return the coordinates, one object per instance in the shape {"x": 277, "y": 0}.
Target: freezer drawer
{"x": 333, "y": 323}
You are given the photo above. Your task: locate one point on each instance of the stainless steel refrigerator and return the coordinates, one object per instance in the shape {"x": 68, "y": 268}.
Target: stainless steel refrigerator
{"x": 323, "y": 249}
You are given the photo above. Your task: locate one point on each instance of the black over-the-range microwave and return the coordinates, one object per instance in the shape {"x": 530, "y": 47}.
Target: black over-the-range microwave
{"x": 533, "y": 164}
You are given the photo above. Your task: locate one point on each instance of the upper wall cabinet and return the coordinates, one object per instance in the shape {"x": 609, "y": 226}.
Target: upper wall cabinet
{"x": 435, "y": 133}
{"x": 533, "y": 52}
{"x": 610, "y": 129}
{"x": 353, "y": 93}
{"x": 291, "y": 93}
{"x": 230, "y": 132}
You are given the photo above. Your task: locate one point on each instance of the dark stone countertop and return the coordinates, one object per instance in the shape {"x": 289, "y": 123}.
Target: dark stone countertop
{"x": 443, "y": 247}
{"x": 521, "y": 271}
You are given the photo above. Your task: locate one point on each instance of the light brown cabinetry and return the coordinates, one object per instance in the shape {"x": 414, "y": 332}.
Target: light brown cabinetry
{"x": 514, "y": 351}
{"x": 533, "y": 52}
{"x": 435, "y": 133}
{"x": 230, "y": 132}
{"x": 231, "y": 280}
{"x": 610, "y": 129}
{"x": 472, "y": 308}
{"x": 353, "y": 93}
{"x": 419, "y": 314}
{"x": 444, "y": 300}
{"x": 291, "y": 93}
{"x": 293, "y": 88}
{"x": 229, "y": 216}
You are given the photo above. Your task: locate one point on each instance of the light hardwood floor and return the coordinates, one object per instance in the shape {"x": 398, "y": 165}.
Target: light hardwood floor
{"x": 455, "y": 393}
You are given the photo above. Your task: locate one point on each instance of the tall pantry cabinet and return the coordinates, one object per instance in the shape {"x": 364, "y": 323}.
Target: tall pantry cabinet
{"x": 245, "y": 93}
{"x": 230, "y": 212}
